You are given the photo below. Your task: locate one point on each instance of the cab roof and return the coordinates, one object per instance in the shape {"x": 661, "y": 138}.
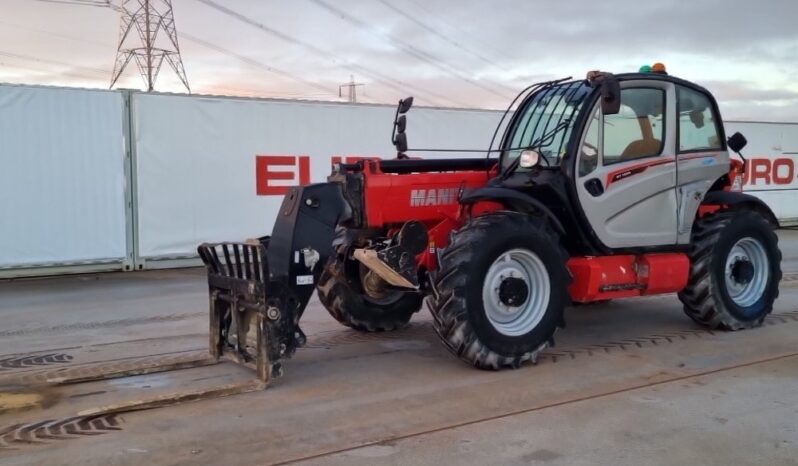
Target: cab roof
{"x": 661, "y": 77}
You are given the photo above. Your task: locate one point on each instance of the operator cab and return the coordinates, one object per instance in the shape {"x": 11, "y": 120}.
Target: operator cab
{"x": 623, "y": 161}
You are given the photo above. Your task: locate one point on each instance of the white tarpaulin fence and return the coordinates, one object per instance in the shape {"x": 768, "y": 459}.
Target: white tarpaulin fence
{"x": 771, "y": 175}
{"x": 212, "y": 168}
{"x": 62, "y": 177}
{"x": 203, "y": 164}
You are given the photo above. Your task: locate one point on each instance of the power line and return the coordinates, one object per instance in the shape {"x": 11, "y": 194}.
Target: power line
{"x": 65, "y": 73}
{"x": 53, "y": 34}
{"x": 442, "y": 36}
{"x": 386, "y": 80}
{"x": 325, "y": 54}
{"x": 246, "y": 92}
{"x": 455, "y": 27}
{"x": 52, "y": 62}
{"x": 191, "y": 38}
{"x": 255, "y": 63}
{"x": 100, "y": 3}
{"x": 407, "y": 48}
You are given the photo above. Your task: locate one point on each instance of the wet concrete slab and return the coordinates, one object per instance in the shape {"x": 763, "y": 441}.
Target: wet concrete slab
{"x": 629, "y": 382}
{"x": 740, "y": 416}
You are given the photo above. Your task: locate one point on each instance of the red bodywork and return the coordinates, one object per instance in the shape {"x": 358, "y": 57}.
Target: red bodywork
{"x": 425, "y": 197}
{"x": 432, "y": 198}
{"x": 611, "y": 277}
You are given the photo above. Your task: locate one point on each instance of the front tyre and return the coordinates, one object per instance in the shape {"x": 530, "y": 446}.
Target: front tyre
{"x": 343, "y": 291}
{"x": 500, "y": 290}
{"x": 735, "y": 271}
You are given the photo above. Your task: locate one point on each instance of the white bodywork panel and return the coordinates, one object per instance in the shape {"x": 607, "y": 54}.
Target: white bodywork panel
{"x": 640, "y": 210}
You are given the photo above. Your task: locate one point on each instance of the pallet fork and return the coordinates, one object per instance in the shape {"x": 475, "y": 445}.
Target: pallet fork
{"x": 238, "y": 290}
{"x": 258, "y": 289}
{"x": 257, "y": 292}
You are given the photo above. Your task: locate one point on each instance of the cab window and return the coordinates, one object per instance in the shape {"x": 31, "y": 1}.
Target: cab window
{"x": 698, "y": 127}
{"x": 588, "y": 156}
{"x": 638, "y": 130}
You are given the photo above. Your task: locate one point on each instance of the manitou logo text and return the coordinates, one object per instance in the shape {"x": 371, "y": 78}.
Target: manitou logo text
{"x": 428, "y": 197}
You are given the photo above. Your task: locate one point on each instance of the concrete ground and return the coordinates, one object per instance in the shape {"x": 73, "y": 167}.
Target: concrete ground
{"x": 629, "y": 382}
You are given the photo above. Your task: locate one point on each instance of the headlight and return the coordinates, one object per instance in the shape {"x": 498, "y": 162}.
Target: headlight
{"x": 529, "y": 158}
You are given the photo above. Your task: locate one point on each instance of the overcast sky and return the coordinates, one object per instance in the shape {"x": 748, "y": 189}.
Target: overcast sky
{"x": 445, "y": 52}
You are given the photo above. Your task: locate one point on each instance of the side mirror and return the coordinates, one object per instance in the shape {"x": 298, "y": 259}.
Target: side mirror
{"x": 401, "y": 124}
{"x": 610, "y": 90}
{"x": 398, "y": 136}
{"x": 610, "y": 96}
{"x": 736, "y": 142}
{"x": 405, "y": 104}
{"x": 400, "y": 141}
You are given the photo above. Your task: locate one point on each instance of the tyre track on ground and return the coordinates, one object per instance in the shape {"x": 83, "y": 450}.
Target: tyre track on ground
{"x": 35, "y": 433}
{"x": 63, "y": 328}
{"x": 396, "y": 438}
{"x": 69, "y": 364}
{"x": 55, "y": 329}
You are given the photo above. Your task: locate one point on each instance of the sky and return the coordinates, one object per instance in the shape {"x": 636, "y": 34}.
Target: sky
{"x": 453, "y": 53}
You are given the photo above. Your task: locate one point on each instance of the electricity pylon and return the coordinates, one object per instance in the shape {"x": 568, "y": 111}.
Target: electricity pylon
{"x": 154, "y": 40}
{"x": 351, "y": 90}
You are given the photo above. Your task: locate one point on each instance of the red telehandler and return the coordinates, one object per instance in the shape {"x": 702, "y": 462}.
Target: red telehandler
{"x": 609, "y": 187}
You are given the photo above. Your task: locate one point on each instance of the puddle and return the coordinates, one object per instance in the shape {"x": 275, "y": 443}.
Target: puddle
{"x": 142, "y": 381}
{"x": 19, "y": 401}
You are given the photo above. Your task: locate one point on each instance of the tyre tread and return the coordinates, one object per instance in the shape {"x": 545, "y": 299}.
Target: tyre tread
{"x": 698, "y": 298}
{"x": 340, "y": 299}
{"x": 447, "y": 303}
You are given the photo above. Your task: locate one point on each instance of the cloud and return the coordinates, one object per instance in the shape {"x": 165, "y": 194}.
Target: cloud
{"x": 745, "y": 91}
{"x": 743, "y": 51}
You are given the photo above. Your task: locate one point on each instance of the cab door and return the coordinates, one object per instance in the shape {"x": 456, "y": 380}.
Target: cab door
{"x": 626, "y": 169}
{"x": 701, "y": 154}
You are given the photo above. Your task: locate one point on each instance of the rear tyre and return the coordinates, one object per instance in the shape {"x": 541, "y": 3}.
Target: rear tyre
{"x": 499, "y": 293}
{"x": 342, "y": 293}
{"x": 735, "y": 270}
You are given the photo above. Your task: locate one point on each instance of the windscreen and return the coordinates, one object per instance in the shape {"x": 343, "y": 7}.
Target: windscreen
{"x": 546, "y": 122}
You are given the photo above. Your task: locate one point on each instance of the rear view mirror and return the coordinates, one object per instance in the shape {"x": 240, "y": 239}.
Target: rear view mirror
{"x": 401, "y": 124}
{"x": 405, "y": 104}
{"x": 398, "y": 136}
{"x": 400, "y": 141}
{"x": 610, "y": 91}
{"x": 737, "y": 142}
{"x": 610, "y": 96}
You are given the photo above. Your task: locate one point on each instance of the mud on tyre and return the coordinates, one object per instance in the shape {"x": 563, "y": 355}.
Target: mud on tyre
{"x": 341, "y": 291}
{"x": 500, "y": 290}
{"x": 735, "y": 269}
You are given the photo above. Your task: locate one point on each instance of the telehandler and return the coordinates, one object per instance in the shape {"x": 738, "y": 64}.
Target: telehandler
{"x": 603, "y": 188}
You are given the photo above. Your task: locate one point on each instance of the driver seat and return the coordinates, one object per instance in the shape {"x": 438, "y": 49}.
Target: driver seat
{"x": 645, "y": 147}
{"x": 641, "y": 148}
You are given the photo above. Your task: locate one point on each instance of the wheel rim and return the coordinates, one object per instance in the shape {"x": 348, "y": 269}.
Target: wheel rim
{"x": 747, "y": 271}
{"x": 516, "y": 292}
